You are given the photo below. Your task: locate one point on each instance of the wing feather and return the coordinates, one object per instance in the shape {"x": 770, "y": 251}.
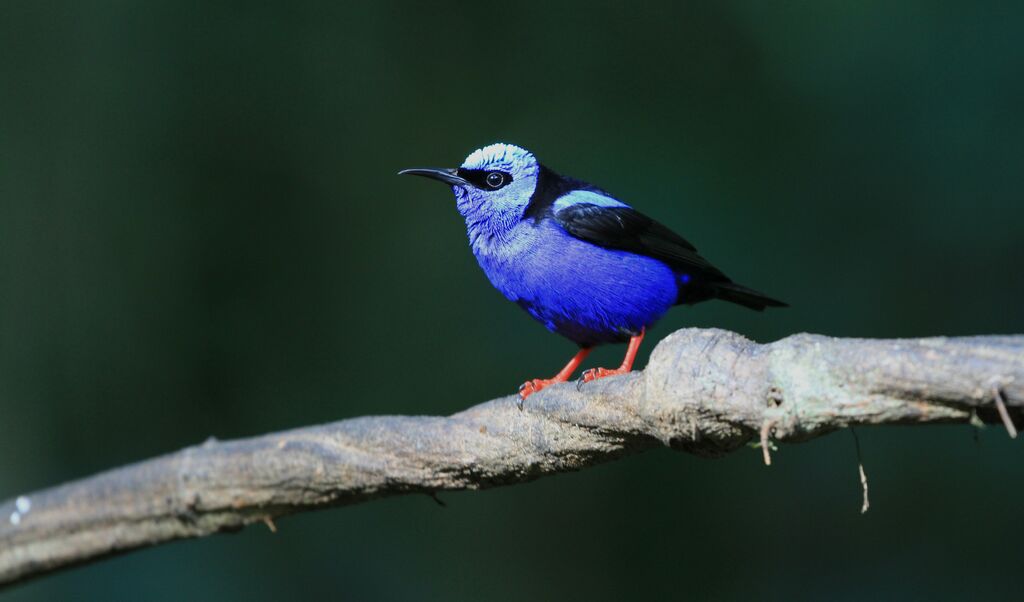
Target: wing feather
{"x": 626, "y": 229}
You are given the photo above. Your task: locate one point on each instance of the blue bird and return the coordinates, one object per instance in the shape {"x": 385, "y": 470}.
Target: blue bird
{"x": 577, "y": 259}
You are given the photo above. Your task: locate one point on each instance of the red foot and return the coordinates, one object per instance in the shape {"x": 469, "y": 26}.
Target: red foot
{"x": 532, "y": 386}
{"x": 596, "y": 373}
{"x": 627, "y": 363}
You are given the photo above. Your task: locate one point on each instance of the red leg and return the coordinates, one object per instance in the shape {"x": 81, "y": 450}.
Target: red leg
{"x": 532, "y": 386}
{"x": 627, "y": 362}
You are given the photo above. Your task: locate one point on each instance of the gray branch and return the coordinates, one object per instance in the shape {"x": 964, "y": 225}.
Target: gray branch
{"x": 707, "y": 392}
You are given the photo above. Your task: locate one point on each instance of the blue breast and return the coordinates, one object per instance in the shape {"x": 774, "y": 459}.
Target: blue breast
{"x": 585, "y": 292}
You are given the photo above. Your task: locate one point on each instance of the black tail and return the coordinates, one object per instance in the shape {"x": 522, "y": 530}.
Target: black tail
{"x": 741, "y": 295}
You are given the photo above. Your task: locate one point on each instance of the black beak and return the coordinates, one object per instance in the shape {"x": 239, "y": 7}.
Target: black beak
{"x": 448, "y": 176}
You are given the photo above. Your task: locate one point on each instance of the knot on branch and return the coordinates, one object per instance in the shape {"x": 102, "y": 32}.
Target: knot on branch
{"x": 705, "y": 391}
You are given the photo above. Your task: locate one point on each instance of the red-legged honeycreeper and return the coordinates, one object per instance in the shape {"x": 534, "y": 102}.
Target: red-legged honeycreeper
{"x": 577, "y": 259}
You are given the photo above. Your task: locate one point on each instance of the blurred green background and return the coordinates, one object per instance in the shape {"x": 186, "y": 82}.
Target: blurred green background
{"x": 202, "y": 233}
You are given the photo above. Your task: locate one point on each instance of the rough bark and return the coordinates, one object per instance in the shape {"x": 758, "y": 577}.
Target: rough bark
{"x": 704, "y": 391}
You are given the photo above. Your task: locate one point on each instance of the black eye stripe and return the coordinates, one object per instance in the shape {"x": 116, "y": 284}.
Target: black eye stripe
{"x": 478, "y": 178}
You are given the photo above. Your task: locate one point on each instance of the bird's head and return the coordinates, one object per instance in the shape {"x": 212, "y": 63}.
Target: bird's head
{"x": 494, "y": 182}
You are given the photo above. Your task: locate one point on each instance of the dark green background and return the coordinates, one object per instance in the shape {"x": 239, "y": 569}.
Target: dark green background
{"x": 201, "y": 233}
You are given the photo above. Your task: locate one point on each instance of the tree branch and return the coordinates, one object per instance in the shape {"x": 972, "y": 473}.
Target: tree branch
{"x": 704, "y": 391}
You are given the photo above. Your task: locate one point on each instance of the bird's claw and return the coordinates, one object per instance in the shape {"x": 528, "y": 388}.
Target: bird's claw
{"x": 596, "y": 373}
{"x": 532, "y": 386}
{"x": 525, "y": 390}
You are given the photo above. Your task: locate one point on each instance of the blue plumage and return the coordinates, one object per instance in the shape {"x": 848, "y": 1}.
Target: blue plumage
{"x": 577, "y": 259}
{"x": 587, "y": 293}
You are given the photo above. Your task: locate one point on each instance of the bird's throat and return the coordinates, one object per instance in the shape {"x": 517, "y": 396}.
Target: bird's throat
{"x": 490, "y": 229}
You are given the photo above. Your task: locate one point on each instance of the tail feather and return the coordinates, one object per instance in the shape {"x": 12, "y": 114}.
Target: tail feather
{"x": 741, "y": 295}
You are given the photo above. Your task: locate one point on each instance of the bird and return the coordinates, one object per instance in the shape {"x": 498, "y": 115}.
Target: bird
{"x": 578, "y": 259}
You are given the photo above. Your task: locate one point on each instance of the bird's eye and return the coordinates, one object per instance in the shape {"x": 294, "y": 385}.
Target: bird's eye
{"x": 495, "y": 179}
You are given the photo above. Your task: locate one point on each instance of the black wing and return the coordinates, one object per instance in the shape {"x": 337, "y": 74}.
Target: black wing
{"x": 627, "y": 229}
